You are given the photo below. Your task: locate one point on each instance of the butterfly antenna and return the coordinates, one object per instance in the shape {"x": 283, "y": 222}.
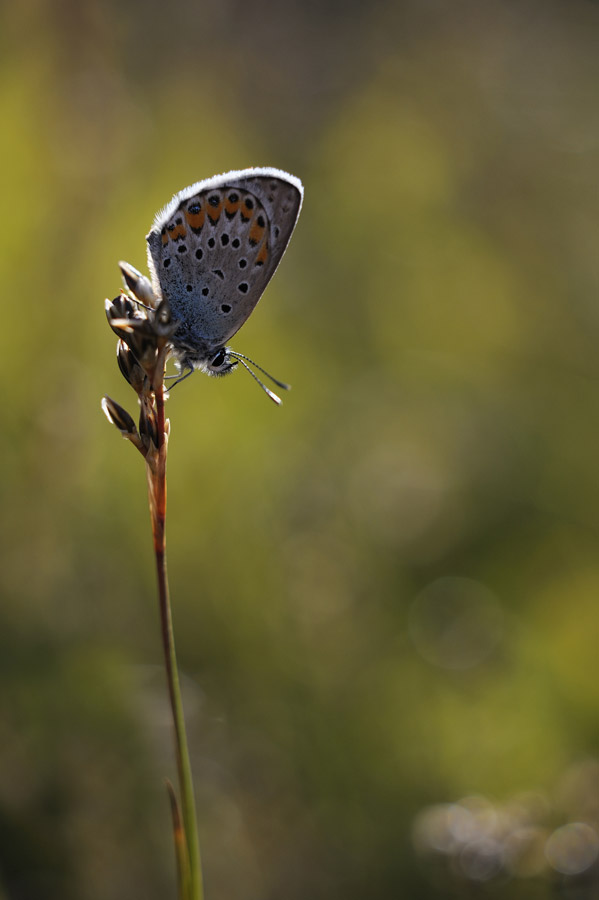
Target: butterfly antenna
{"x": 266, "y": 390}
{"x": 240, "y": 356}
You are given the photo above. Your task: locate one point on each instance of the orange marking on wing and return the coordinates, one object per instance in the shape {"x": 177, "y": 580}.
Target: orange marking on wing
{"x": 195, "y": 220}
{"x": 262, "y": 257}
{"x": 179, "y": 232}
{"x": 246, "y": 212}
{"x": 231, "y": 208}
{"x": 256, "y": 232}
{"x": 214, "y": 212}
{"x": 164, "y": 239}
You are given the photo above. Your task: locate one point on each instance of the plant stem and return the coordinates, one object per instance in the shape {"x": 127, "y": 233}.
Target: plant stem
{"x": 156, "y": 472}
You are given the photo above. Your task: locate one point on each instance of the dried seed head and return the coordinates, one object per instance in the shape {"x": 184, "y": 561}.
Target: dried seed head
{"x": 133, "y": 326}
{"x": 163, "y": 320}
{"x": 124, "y": 316}
{"x": 115, "y": 413}
{"x": 138, "y": 284}
{"x": 122, "y": 307}
{"x": 148, "y": 426}
{"x": 144, "y": 326}
{"x": 145, "y": 331}
{"x": 130, "y": 368}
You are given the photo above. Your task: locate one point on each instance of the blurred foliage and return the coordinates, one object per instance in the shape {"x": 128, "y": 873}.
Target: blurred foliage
{"x": 385, "y": 593}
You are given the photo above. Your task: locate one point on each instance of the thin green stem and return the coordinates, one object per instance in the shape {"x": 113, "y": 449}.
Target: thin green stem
{"x": 157, "y": 489}
{"x": 180, "y": 845}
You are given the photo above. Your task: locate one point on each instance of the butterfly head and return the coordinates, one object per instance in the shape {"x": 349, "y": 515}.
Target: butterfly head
{"x": 221, "y": 363}
{"x": 216, "y": 362}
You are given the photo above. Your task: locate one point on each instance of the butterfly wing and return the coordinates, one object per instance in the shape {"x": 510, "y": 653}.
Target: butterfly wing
{"x": 215, "y": 247}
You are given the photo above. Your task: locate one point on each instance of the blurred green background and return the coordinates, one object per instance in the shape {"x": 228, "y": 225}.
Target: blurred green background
{"x": 384, "y": 592}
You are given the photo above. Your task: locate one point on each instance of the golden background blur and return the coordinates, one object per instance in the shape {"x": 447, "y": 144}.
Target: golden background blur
{"x": 384, "y": 592}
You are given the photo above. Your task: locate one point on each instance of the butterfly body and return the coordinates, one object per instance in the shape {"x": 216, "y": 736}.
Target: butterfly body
{"x": 212, "y": 250}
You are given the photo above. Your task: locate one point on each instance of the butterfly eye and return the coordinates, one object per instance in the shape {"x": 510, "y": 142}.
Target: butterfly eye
{"x": 218, "y": 359}
{"x": 221, "y": 363}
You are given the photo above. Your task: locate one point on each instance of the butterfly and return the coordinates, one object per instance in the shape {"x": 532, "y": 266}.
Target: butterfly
{"x": 212, "y": 251}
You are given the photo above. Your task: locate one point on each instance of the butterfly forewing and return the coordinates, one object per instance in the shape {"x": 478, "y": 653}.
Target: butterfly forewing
{"x": 214, "y": 248}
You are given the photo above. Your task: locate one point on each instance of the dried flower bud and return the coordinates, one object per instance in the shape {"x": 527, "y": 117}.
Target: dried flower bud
{"x": 134, "y": 328}
{"x": 130, "y": 368}
{"x": 123, "y": 315}
{"x": 115, "y": 413}
{"x": 145, "y": 331}
{"x": 163, "y": 320}
{"x": 122, "y": 307}
{"x": 148, "y": 427}
{"x": 138, "y": 284}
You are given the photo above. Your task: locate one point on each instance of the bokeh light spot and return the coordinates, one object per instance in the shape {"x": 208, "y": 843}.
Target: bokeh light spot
{"x": 573, "y": 848}
{"x": 455, "y": 623}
